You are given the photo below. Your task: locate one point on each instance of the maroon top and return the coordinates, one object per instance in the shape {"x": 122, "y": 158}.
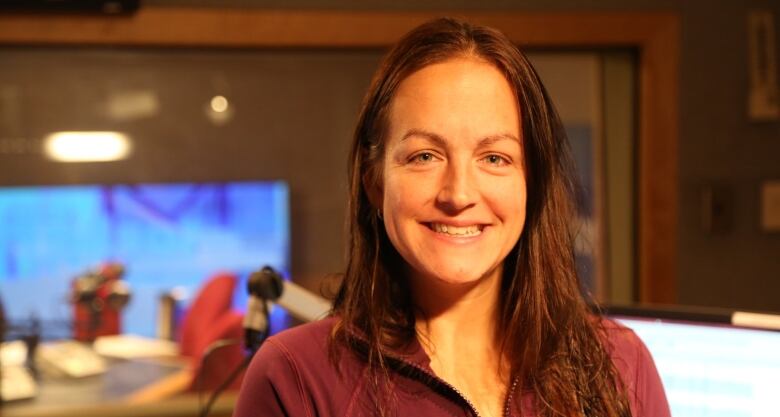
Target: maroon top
{"x": 292, "y": 375}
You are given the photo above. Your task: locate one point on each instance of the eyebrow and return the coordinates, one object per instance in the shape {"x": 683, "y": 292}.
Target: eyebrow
{"x": 426, "y": 134}
{"x": 487, "y": 140}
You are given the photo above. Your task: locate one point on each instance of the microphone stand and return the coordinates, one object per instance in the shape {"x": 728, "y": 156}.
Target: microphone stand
{"x": 262, "y": 286}
{"x": 254, "y": 338}
{"x": 256, "y": 329}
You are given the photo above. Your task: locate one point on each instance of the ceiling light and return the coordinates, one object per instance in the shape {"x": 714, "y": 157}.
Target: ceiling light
{"x": 87, "y": 146}
{"x": 219, "y": 104}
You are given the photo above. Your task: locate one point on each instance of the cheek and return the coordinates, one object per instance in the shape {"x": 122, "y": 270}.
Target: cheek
{"x": 508, "y": 199}
{"x": 406, "y": 194}
{"x": 392, "y": 196}
{"x": 406, "y": 202}
{"x": 395, "y": 206}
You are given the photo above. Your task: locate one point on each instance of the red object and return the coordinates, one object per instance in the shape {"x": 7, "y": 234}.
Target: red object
{"x": 221, "y": 362}
{"x": 210, "y": 319}
{"x": 98, "y": 314}
{"x": 214, "y": 299}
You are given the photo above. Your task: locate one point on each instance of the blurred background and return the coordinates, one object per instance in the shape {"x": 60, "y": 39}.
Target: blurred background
{"x": 211, "y": 137}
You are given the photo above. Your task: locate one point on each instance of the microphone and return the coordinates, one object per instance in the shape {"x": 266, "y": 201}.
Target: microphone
{"x": 98, "y": 296}
{"x": 255, "y": 322}
{"x": 267, "y": 285}
{"x": 85, "y": 287}
{"x": 301, "y": 303}
{"x": 105, "y": 283}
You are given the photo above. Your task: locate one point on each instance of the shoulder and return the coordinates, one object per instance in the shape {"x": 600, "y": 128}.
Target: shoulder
{"x": 305, "y": 342}
{"x": 636, "y": 367}
{"x": 627, "y": 350}
{"x": 622, "y": 342}
{"x": 292, "y": 375}
{"x": 300, "y": 353}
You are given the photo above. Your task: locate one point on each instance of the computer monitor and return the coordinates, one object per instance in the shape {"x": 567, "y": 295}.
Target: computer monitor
{"x": 709, "y": 366}
{"x": 166, "y": 235}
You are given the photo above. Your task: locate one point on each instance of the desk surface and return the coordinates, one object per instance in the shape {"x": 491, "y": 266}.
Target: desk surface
{"x": 107, "y": 394}
{"x": 182, "y": 406}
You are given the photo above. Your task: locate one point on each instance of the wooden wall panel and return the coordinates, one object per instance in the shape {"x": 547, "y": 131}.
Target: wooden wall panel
{"x": 655, "y": 35}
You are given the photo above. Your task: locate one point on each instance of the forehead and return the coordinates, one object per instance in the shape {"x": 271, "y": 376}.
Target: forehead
{"x": 460, "y": 96}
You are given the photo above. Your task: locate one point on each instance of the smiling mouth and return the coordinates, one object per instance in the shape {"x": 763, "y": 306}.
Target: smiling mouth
{"x": 458, "y": 231}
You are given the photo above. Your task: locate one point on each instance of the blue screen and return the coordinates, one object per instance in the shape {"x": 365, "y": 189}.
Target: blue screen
{"x": 166, "y": 235}
{"x": 714, "y": 370}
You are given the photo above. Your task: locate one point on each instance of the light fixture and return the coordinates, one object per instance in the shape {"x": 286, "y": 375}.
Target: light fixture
{"x": 87, "y": 146}
{"x": 219, "y": 104}
{"x": 219, "y": 110}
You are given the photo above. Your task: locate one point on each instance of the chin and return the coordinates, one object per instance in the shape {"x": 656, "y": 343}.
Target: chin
{"x": 456, "y": 277}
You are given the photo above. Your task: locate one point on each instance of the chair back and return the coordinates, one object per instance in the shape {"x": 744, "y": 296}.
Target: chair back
{"x": 213, "y": 301}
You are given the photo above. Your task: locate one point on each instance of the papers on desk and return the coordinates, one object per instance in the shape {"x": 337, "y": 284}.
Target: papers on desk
{"x": 134, "y": 347}
{"x": 70, "y": 358}
{"x": 76, "y": 359}
{"x": 17, "y": 383}
{"x": 13, "y": 353}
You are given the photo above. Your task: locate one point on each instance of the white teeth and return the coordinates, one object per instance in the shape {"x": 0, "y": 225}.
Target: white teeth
{"x": 455, "y": 230}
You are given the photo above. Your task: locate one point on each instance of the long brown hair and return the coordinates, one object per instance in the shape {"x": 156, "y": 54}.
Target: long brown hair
{"x": 554, "y": 345}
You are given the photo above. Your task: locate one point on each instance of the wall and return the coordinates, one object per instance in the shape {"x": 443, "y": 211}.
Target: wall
{"x": 718, "y": 144}
{"x": 293, "y": 115}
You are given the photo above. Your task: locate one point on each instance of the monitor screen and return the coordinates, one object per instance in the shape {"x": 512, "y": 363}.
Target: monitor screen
{"x": 166, "y": 235}
{"x": 713, "y": 370}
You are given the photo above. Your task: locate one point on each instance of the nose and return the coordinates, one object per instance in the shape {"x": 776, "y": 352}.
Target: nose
{"x": 458, "y": 189}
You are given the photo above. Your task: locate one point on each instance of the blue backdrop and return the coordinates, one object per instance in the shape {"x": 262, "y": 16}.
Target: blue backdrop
{"x": 167, "y": 236}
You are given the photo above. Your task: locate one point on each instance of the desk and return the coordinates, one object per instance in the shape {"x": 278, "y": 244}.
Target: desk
{"x": 183, "y": 406}
{"x": 111, "y": 394}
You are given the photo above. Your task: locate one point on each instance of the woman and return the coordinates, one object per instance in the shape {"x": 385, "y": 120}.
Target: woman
{"x": 460, "y": 295}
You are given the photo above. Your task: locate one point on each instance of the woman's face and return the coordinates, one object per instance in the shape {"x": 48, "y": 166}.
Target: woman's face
{"x": 453, "y": 191}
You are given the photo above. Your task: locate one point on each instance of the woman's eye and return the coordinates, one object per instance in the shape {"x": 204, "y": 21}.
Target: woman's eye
{"x": 496, "y": 160}
{"x": 423, "y": 157}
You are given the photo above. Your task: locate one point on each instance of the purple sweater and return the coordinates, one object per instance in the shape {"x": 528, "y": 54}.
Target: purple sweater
{"x": 292, "y": 375}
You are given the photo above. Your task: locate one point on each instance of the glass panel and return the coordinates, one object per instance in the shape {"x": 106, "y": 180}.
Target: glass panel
{"x": 222, "y": 115}
{"x": 594, "y": 95}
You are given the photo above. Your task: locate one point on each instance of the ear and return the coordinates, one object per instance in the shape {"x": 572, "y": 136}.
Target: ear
{"x": 374, "y": 191}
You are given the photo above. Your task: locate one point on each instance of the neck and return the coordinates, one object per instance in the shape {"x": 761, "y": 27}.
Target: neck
{"x": 447, "y": 312}
{"x": 457, "y": 326}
